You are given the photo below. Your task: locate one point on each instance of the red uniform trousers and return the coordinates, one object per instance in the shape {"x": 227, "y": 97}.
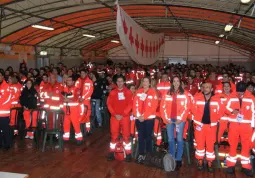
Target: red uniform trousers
{"x": 13, "y": 114}
{"x": 86, "y": 116}
{"x": 223, "y": 126}
{"x": 72, "y": 117}
{"x": 157, "y": 132}
{"x": 205, "y": 138}
{"x": 244, "y": 131}
{"x": 26, "y": 116}
{"x": 122, "y": 126}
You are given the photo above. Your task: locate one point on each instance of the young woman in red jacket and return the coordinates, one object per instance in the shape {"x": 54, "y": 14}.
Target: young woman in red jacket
{"x": 144, "y": 109}
{"x": 174, "y": 111}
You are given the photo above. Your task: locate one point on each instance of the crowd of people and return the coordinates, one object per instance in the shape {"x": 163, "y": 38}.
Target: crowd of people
{"x": 139, "y": 98}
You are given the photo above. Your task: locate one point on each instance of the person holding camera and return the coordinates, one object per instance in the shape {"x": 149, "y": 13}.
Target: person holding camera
{"x": 72, "y": 110}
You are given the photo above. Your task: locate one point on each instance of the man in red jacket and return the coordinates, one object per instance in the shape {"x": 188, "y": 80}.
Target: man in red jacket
{"x": 120, "y": 104}
{"x": 85, "y": 86}
{"x": 5, "y": 106}
{"x": 206, "y": 111}
{"x": 240, "y": 109}
{"x": 72, "y": 110}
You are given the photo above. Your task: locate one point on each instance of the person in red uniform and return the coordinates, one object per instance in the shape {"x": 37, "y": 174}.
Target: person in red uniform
{"x": 240, "y": 110}
{"x": 206, "y": 111}
{"x": 72, "y": 110}
{"x": 224, "y": 119}
{"x": 52, "y": 94}
{"x": 15, "y": 89}
{"x": 132, "y": 119}
{"x": 163, "y": 88}
{"x": 5, "y": 106}
{"x": 42, "y": 87}
{"x": 85, "y": 85}
{"x": 213, "y": 80}
{"x": 174, "y": 111}
{"x": 120, "y": 104}
{"x": 192, "y": 86}
{"x": 52, "y": 97}
{"x": 225, "y": 78}
{"x": 145, "y": 106}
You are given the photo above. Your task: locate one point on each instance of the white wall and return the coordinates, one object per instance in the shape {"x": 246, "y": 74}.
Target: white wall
{"x": 4, "y": 63}
{"x": 197, "y": 53}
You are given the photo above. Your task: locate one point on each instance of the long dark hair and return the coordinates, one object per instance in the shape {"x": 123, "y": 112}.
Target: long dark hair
{"x": 171, "y": 91}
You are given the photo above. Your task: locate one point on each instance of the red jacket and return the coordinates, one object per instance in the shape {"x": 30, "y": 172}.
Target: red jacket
{"x": 120, "y": 102}
{"x": 192, "y": 88}
{"x": 145, "y": 104}
{"x": 5, "y": 100}
{"x": 42, "y": 90}
{"x": 86, "y": 88}
{"x": 15, "y": 92}
{"x": 182, "y": 104}
{"x": 223, "y": 101}
{"x": 163, "y": 88}
{"x": 247, "y": 108}
{"x": 53, "y": 96}
{"x": 73, "y": 98}
{"x": 198, "y": 109}
{"x": 219, "y": 88}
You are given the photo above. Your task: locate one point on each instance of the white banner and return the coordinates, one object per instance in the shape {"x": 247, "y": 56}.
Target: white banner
{"x": 143, "y": 47}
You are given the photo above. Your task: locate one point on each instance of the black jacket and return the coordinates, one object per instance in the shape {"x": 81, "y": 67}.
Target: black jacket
{"x": 28, "y": 98}
{"x": 99, "y": 88}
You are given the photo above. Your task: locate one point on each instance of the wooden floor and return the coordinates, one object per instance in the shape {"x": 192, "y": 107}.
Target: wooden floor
{"x": 88, "y": 161}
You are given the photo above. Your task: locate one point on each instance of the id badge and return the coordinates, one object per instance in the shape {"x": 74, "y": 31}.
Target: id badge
{"x": 239, "y": 117}
{"x": 198, "y": 128}
{"x": 177, "y": 128}
{"x": 121, "y": 96}
{"x": 132, "y": 117}
{"x": 143, "y": 96}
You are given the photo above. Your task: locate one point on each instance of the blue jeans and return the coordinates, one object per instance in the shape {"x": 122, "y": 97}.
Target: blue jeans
{"x": 171, "y": 139}
{"x": 95, "y": 110}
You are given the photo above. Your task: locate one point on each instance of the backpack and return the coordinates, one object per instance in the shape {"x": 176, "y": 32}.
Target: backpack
{"x": 120, "y": 153}
{"x": 160, "y": 160}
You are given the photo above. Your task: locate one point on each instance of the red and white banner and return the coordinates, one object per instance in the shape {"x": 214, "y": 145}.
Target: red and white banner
{"x": 143, "y": 47}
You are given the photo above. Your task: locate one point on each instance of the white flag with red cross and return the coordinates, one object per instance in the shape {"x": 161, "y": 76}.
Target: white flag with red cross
{"x": 143, "y": 47}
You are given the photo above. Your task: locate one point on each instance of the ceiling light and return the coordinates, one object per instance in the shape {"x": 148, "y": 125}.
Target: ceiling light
{"x": 217, "y": 42}
{"x": 228, "y": 27}
{"x": 42, "y": 27}
{"x": 90, "y": 36}
{"x": 115, "y": 41}
{"x": 221, "y": 35}
{"x": 245, "y": 1}
{"x": 43, "y": 53}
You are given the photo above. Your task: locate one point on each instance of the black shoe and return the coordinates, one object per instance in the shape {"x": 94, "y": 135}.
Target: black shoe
{"x": 247, "y": 172}
{"x": 79, "y": 142}
{"x": 110, "y": 156}
{"x": 210, "y": 166}
{"x": 88, "y": 133}
{"x": 178, "y": 165}
{"x": 200, "y": 164}
{"x": 140, "y": 158}
{"x": 230, "y": 170}
{"x": 128, "y": 158}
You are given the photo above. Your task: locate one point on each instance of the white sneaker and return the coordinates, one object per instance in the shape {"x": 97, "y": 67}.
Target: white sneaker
{"x": 27, "y": 136}
{"x": 31, "y": 137}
